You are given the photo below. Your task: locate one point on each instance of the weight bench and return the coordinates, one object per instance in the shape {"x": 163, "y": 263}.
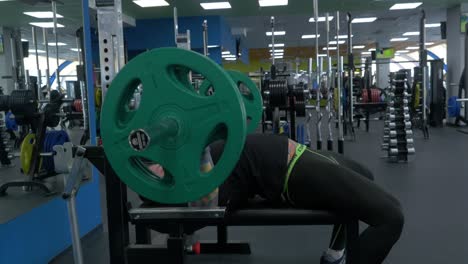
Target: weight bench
{"x": 182, "y": 219}
{"x": 185, "y": 220}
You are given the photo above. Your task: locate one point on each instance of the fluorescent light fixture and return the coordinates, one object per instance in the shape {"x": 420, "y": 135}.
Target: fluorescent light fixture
{"x": 366, "y": 53}
{"x": 58, "y": 44}
{"x": 321, "y": 19}
{"x": 228, "y": 56}
{"x": 212, "y": 46}
{"x": 44, "y": 14}
{"x": 334, "y": 42}
{"x": 24, "y": 40}
{"x": 278, "y": 54}
{"x": 322, "y": 55}
{"x": 264, "y": 3}
{"x": 151, "y": 3}
{"x": 277, "y": 33}
{"x": 432, "y": 25}
{"x": 429, "y": 43}
{"x": 309, "y": 36}
{"x": 230, "y": 59}
{"x": 343, "y": 36}
{"x": 279, "y": 57}
{"x": 226, "y": 52}
{"x": 370, "y": 50}
{"x": 364, "y": 20}
{"x": 412, "y": 48}
{"x": 411, "y": 33}
{"x": 279, "y": 45}
{"x": 405, "y": 6}
{"x": 34, "y": 51}
{"x": 359, "y": 47}
{"x": 278, "y": 50}
{"x": 46, "y": 24}
{"x": 402, "y": 51}
{"x": 75, "y": 49}
{"x": 216, "y": 5}
{"x": 329, "y": 48}
{"x": 398, "y": 39}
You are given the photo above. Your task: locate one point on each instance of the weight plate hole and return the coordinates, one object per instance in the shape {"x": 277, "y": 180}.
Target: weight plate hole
{"x": 129, "y": 102}
{"x": 216, "y": 140}
{"x": 245, "y": 91}
{"x": 153, "y": 169}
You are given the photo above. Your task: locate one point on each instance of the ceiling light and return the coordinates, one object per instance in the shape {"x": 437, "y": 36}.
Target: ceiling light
{"x": 277, "y": 50}
{"x": 398, "y": 39}
{"x": 277, "y": 45}
{"x": 151, "y": 3}
{"x": 412, "y": 48}
{"x": 309, "y": 36}
{"x": 215, "y": 5}
{"x": 212, "y": 46}
{"x": 38, "y": 51}
{"x": 370, "y": 50}
{"x": 24, "y": 40}
{"x": 278, "y": 54}
{"x": 405, "y": 6}
{"x": 58, "y": 44}
{"x": 364, "y": 20}
{"x": 230, "y": 59}
{"x": 433, "y": 25}
{"x": 429, "y": 43}
{"x": 46, "y": 24}
{"x": 321, "y": 19}
{"x": 279, "y": 57}
{"x": 322, "y": 55}
{"x": 75, "y": 49}
{"x": 272, "y": 2}
{"x": 402, "y": 51}
{"x": 329, "y": 48}
{"x": 359, "y": 47}
{"x": 45, "y": 14}
{"x": 229, "y": 56}
{"x": 226, "y": 52}
{"x": 277, "y": 33}
{"x": 411, "y": 33}
{"x": 343, "y": 36}
{"x": 334, "y": 42}
{"x": 366, "y": 53}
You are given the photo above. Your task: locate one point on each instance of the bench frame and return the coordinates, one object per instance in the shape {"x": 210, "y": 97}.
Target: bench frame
{"x": 120, "y": 213}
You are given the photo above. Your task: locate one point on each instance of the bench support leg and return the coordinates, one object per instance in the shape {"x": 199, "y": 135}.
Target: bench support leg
{"x": 222, "y": 246}
{"x": 352, "y": 235}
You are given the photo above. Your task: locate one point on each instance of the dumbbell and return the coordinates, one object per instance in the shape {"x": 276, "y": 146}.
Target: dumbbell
{"x": 403, "y": 103}
{"x": 396, "y": 151}
{"x": 394, "y": 134}
{"x": 395, "y": 142}
{"x": 393, "y": 117}
{"x": 398, "y": 109}
{"x": 406, "y": 125}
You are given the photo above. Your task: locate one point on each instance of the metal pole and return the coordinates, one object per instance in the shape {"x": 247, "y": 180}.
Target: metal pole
{"x": 176, "y": 26}
{"x": 272, "y": 21}
{"x": 46, "y": 44}
{"x": 54, "y": 11}
{"x": 75, "y": 231}
{"x": 466, "y": 68}
{"x": 329, "y": 94}
{"x": 318, "y": 73}
{"x": 339, "y": 87}
{"x": 310, "y": 71}
{"x": 205, "y": 38}
{"x": 39, "y": 81}
{"x": 423, "y": 67}
{"x": 350, "y": 72}
{"x": 14, "y": 68}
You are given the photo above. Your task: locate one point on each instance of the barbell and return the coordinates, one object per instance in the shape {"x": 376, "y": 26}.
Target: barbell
{"x": 173, "y": 124}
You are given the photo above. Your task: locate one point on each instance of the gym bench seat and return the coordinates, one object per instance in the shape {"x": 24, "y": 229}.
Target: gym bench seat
{"x": 179, "y": 221}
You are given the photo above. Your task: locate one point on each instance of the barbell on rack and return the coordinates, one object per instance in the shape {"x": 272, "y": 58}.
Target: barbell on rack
{"x": 173, "y": 125}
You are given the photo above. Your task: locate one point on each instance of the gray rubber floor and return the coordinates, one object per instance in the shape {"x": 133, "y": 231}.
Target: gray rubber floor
{"x": 432, "y": 189}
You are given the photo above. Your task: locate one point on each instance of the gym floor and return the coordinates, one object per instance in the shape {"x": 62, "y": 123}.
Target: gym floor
{"x": 431, "y": 188}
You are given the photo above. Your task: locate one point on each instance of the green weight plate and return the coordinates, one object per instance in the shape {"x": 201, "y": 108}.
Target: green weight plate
{"x": 26, "y": 150}
{"x": 252, "y": 99}
{"x": 172, "y": 125}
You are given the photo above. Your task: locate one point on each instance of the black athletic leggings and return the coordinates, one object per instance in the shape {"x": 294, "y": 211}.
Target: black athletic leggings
{"x": 329, "y": 181}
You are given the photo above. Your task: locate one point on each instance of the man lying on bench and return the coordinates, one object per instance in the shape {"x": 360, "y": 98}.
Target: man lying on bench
{"x": 285, "y": 172}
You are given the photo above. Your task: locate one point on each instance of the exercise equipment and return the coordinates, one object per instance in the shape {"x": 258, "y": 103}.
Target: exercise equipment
{"x": 250, "y": 95}
{"x": 26, "y": 152}
{"x": 52, "y": 138}
{"x": 174, "y": 129}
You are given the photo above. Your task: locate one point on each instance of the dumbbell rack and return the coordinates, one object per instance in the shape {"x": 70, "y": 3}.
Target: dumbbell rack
{"x": 5, "y": 156}
{"x": 398, "y": 134}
